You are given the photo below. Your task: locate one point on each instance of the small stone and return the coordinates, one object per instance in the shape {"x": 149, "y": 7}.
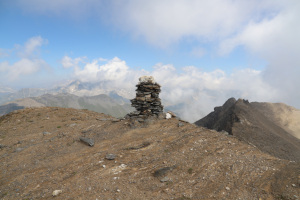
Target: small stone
{"x": 101, "y": 119}
{"x": 227, "y": 188}
{"x": 171, "y": 113}
{"x": 2, "y": 146}
{"x": 164, "y": 179}
{"x": 72, "y": 125}
{"x": 162, "y": 171}
{"x": 87, "y": 141}
{"x": 168, "y": 116}
{"x": 18, "y": 149}
{"x": 180, "y": 124}
{"x": 140, "y": 120}
{"x": 110, "y": 156}
{"x": 46, "y": 133}
{"x": 224, "y": 132}
{"x": 56, "y": 192}
{"x": 294, "y": 185}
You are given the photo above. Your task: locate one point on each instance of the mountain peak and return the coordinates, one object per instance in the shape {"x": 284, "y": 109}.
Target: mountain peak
{"x": 256, "y": 124}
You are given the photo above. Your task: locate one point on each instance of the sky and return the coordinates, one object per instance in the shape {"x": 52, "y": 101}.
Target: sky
{"x": 201, "y": 52}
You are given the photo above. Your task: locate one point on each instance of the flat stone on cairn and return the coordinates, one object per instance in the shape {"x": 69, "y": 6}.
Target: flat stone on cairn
{"x": 147, "y": 102}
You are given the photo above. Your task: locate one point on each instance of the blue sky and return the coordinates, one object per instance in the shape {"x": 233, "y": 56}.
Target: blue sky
{"x": 90, "y": 36}
{"x": 246, "y": 49}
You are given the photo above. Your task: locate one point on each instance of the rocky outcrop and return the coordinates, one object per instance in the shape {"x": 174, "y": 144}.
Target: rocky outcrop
{"x": 222, "y": 118}
{"x": 147, "y": 102}
{"x": 248, "y": 122}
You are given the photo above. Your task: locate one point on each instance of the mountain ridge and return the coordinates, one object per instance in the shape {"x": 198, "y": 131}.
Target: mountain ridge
{"x": 42, "y": 151}
{"x": 100, "y": 103}
{"x": 249, "y": 122}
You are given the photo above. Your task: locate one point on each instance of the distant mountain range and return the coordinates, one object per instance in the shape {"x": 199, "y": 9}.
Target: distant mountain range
{"x": 102, "y": 103}
{"x": 75, "y": 87}
{"x": 66, "y": 95}
{"x": 272, "y": 127}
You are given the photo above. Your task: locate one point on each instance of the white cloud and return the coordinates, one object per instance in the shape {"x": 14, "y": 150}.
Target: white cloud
{"x": 28, "y": 61}
{"x": 270, "y": 36}
{"x": 114, "y": 73}
{"x": 31, "y": 47}
{"x": 277, "y": 41}
{"x": 22, "y": 67}
{"x": 166, "y": 22}
{"x": 196, "y": 91}
{"x": 68, "y": 62}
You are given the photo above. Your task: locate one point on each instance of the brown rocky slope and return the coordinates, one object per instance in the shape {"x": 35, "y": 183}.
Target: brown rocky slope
{"x": 259, "y": 124}
{"x": 41, "y": 152}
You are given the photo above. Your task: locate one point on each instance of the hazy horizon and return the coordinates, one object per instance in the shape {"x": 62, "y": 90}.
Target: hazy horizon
{"x": 201, "y": 52}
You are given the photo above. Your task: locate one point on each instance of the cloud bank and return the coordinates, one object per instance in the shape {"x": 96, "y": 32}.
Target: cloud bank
{"x": 197, "y": 92}
{"x": 267, "y": 29}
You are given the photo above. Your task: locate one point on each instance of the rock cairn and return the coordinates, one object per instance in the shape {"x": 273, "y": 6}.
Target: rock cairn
{"x": 147, "y": 102}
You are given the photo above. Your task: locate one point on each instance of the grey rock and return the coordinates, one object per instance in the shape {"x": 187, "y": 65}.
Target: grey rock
{"x": 224, "y": 132}
{"x": 72, "y": 125}
{"x": 110, "y": 156}
{"x": 165, "y": 179}
{"x": 180, "y": 124}
{"x": 19, "y": 149}
{"x": 46, "y": 133}
{"x": 86, "y": 131}
{"x": 140, "y": 120}
{"x": 87, "y": 141}
{"x": 102, "y": 119}
{"x": 183, "y": 121}
{"x": 163, "y": 171}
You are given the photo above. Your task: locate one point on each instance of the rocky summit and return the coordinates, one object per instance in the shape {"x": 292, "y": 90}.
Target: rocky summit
{"x": 46, "y": 153}
{"x": 259, "y": 124}
{"x": 147, "y": 102}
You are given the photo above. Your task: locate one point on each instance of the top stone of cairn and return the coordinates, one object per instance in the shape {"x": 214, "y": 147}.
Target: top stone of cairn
{"x": 147, "y": 79}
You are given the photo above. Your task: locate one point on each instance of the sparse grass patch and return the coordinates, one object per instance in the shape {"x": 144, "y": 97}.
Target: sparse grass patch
{"x": 58, "y": 126}
{"x": 190, "y": 170}
{"x": 3, "y": 195}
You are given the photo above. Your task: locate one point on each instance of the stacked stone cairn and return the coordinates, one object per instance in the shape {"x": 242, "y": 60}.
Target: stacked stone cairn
{"x": 147, "y": 102}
